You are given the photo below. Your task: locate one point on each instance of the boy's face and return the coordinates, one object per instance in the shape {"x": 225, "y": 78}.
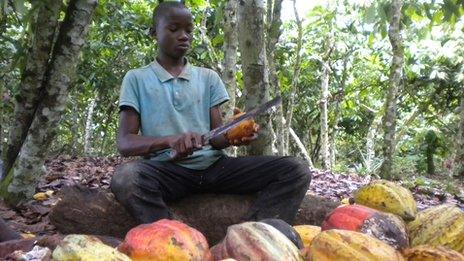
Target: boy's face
{"x": 174, "y": 32}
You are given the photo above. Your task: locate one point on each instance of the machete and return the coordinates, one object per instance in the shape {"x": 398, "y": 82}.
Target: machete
{"x": 225, "y": 128}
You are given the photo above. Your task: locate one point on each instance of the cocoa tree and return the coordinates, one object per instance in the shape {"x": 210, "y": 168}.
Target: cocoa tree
{"x": 396, "y": 73}
{"x": 31, "y": 88}
{"x": 295, "y": 78}
{"x": 88, "y": 125}
{"x": 273, "y": 32}
{"x": 230, "y": 55}
{"x": 255, "y": 70}
{"x": 323, "y": 103}
{"x": 21, "y": 180}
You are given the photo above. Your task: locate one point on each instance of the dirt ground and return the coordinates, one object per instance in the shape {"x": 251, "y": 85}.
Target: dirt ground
{"x": 95, "y": 172}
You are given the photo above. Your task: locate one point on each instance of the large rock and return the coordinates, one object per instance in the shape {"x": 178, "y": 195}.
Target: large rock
{"x": 6, "y": 233}
{"x": 95, "y": 211}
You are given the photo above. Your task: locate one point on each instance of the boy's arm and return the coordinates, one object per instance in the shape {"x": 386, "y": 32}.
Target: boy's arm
{"x": 130, "y": 143}
{"x": 221, "y": 142}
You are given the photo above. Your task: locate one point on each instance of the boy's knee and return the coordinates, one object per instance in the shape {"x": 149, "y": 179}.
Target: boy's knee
{"x": 300, "y": 169}
{"x": 123, "y": 177}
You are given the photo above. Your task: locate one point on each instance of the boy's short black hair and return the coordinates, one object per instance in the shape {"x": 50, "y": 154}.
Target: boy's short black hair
{"x": 162, "y": 9}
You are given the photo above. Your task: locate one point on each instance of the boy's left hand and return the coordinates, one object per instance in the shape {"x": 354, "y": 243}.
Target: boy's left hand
{"x": 251, "y": 132}
{"x": 245, "y": 140}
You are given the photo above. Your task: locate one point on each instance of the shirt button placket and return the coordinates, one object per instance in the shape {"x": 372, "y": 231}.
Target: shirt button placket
{"x": 176, "y": 93}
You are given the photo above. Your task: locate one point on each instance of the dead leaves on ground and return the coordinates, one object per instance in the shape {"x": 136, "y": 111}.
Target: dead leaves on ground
{"x": 96, "y": 172}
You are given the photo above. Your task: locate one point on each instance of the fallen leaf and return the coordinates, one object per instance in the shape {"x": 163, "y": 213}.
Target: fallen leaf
{"x": 41, "y": 196}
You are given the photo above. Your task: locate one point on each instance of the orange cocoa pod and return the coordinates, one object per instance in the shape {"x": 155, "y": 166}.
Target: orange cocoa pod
{"x": 383, "y": 226}
{"x": 165, "y": 240}
{"x": 247, "y": 128}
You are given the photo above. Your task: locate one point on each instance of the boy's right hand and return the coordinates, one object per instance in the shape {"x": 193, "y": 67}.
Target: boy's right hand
{"x": 185, "y": 144}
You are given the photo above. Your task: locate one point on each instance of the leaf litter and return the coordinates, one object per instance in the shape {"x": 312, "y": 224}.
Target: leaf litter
{"x": 96, "y": 172}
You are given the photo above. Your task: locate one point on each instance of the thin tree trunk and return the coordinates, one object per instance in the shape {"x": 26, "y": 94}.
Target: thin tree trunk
{"x": 295, "y": 78}
{"x": 109, "y": 112}
{"x": 370, "y": 144}
{"x": 31, "y": 80}
{"x": 274, "y": 23}
{"x": 301, "y": 147}
{"x": 396, "y": 73}
{"x": 333, "y": 138}
{"x": 2, "y": 172}
{"x": 309, "y": 143}
{"x": 317, "y": 145}
{"x": 74, "y": 127}
{"x": 230, "y": 56}
{"x": 255, "y": 71}
{"x": 26, "y": 173}
{"x": 340, "y": 96}
{"x": 88, "y": 125}
{"x": 431, "y": 143}
{"x": 325, "y": 154}
{"x": 411, "y": 119}
{"x": 230, "y": 61}
{"x": 424, "y": 107}
{"x": 207, "y": 43}
{"x": 458, "y": 169}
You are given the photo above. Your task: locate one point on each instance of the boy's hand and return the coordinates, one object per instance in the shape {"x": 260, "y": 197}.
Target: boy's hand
{"x": 185, "y": 144}
{"x": 244, "y": 133}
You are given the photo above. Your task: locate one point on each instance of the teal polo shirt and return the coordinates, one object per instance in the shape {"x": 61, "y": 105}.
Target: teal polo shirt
{"x": 171, "y": 106}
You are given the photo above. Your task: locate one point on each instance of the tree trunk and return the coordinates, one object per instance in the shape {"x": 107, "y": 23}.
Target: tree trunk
{"x": 106, "y": 124}
{"x": 339, "y": 97}
{"x": 458, "y": 169}
{"x": 396, "y": 73}
{"x": 325, "y": 154}
{"x": 370, "y": 145}
{"x": 423, "y": 108}
{"x": 207, "y": 43}
{"x": 74, "y": 128}
{"x": 255, "y": 71}
{"x": 302, "y": 148}
{"x": 411, "y": 119}
{"x": 2, "y": 122}
{"x": 26, "y": 173}
{"x": 295, "y": 78}
{"x": 274, "y": 23}
{"x": 431, "y": 142}
{"x": 30, "y": 91}
{"x": 230, "y": 61}
{"x": 88, "y": 125}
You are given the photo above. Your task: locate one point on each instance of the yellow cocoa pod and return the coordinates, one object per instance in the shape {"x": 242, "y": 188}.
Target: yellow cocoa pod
{"x": 388, "y": 197}
{"x": 307, "y": 233}
{"x": 83, "y": 247}
{"x": 336, "y": 244}
{"x": 430, "y": 253}
{"x": 442, "y": 225}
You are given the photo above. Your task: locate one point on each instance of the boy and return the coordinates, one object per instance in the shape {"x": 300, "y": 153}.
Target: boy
{"x": 172, "y": 103}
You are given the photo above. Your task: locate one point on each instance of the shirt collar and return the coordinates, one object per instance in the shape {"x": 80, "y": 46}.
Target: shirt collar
{"x": 165, "y": 76}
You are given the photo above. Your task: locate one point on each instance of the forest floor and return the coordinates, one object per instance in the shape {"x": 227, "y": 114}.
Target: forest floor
{"x": 96, "y": 172}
